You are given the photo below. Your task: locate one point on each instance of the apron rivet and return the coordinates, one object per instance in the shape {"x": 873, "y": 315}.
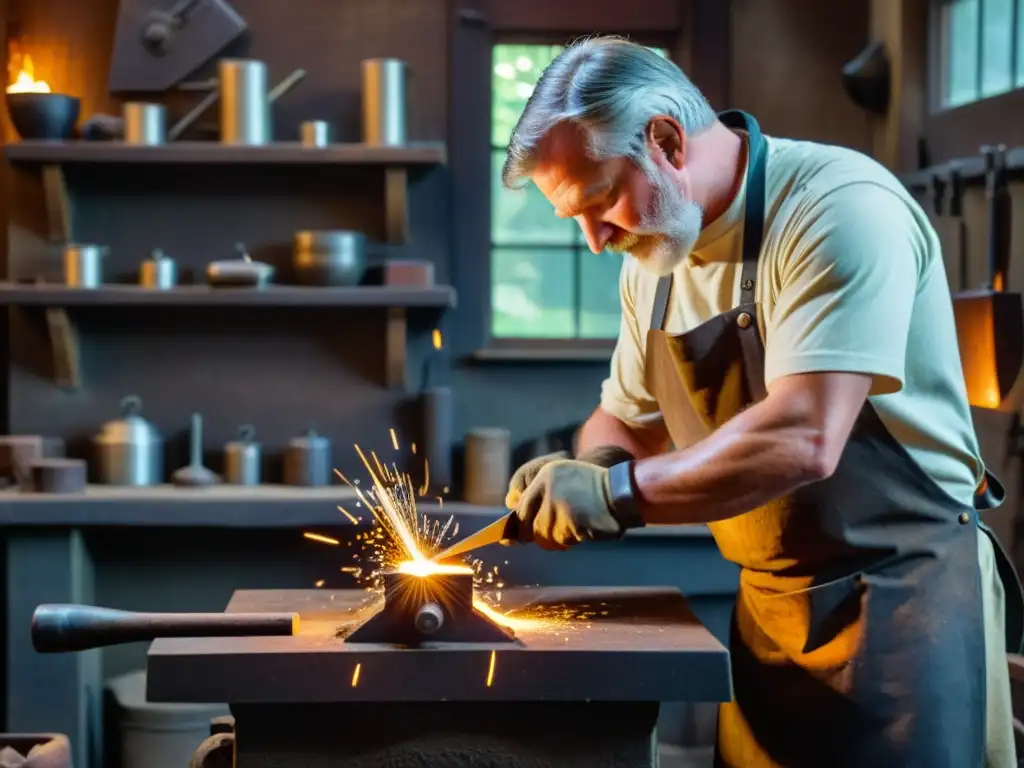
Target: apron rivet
{"x": 964, "y": 518}
{"x": 748, "y": 284}
{"x": 743, "y": 321}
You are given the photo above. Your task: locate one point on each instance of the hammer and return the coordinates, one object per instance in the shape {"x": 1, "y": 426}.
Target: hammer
{"x": 60, "y": 628}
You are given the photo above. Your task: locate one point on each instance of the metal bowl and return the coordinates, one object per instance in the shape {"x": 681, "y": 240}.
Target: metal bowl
{"x": 329, "y": 257}
{"x": 50, "y": 116}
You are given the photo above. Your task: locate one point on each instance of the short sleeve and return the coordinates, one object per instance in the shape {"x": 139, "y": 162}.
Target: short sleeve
{"x": 848, "y": 281}
{"x": 624, "y": 393}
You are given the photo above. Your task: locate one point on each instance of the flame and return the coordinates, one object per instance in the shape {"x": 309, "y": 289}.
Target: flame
{"x": 24, "y": 81}
{"x": 436, "y": 338}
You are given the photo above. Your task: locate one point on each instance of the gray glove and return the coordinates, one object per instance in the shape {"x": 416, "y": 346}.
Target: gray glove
{"x": 602, "y": 456}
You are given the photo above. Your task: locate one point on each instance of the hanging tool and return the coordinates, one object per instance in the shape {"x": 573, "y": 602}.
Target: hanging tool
{"x": 990, "y": 322}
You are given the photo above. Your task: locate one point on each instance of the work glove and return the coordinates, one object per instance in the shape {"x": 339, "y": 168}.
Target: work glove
{"x": 566, "y": 503}
{"x": 605, "y": 456}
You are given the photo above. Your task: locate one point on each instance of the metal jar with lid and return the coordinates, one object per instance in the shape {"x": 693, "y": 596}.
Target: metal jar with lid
{"x": 130, "y": 450}
{"x": 242, "y": 458}
{"x": 307, "y": 461}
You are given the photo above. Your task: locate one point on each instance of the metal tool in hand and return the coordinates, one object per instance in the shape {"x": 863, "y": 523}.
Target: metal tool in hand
{"x": 504, "y": 528}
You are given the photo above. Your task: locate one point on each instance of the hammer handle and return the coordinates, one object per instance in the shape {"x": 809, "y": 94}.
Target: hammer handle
{"x": 60, "y": 628}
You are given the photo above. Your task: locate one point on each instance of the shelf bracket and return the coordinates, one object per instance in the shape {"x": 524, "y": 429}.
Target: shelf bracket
{"x": 58, "y": 204}
{"x": 396, "y": 207}
{"x": 394, "y": 348}
{"x": 64, "y": 348}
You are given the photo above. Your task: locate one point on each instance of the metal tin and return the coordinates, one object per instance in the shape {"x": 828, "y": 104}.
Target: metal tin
{"x": 307, "y": 460}
{"x": 83, "y": 265}
{"x": 159, "y": 272}
{"x": 244, "y": 103}
{"x": 488, "y": 465}
{"x": 242, "y": 458}
{"x": 145, "y": 123}
{"x": 130, "y": 449}
{"x": 329, "y": 257}
{"x": 315, "y": 133}
{"x": 384, "y": 102}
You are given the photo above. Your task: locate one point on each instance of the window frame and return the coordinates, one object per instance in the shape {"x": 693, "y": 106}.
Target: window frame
{"x": 696, "y": 34}
{"x": 950, "y": 133}
{"x": 577, "y": 246}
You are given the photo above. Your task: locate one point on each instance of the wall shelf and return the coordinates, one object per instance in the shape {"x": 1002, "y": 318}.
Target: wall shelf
{"x": 57, "y": 299}
{"x": 29, "y": 294}
{"x": 214, "y": 153}
{"x": 219, "y": 506}
{"x": 396, "y": 163}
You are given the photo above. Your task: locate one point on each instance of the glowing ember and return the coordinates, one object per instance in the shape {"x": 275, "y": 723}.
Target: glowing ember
{"x": 490, "y": 669}
{"x": 436, "y": 338}
{"x": 25, "y": 82}
{"x": 322, "y": 539}
{"x": 355, "y": 675}
{"x": 426, "y": 568}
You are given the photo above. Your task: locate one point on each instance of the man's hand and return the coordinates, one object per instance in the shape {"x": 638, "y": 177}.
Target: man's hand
{"x": 525, "y": 475}
{"x": 605, "y": 456}
{"x": 567, "y": 502}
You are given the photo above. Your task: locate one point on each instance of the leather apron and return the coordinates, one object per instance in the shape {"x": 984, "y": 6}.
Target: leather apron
{"x": 857, "y": 638}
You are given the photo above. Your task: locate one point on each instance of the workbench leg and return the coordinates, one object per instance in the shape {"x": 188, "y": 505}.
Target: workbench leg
{"x": 51, "y": 693}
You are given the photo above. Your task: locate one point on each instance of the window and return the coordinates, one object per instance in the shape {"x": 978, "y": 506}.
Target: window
{"x": 981, "y": 49}
{"x": 545, "y": 282}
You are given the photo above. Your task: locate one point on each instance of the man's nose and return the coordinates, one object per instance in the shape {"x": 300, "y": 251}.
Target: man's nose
{"x": 597, "y": 233}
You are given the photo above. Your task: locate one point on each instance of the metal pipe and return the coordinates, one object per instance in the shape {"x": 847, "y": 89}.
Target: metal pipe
{"x": 61, "y": 628}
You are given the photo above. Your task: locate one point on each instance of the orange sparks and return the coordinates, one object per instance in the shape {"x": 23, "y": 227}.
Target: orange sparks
{"x": 320, "y": 583}
{"x": 322, "y": 539}
{"x": 426, "y": 478}
{"x": 413, "y": 447}
{"x": 436, "y": 338}
{"x": 348, "y": 514}
{"x": 490, "y": 668}
{"x": 355, "y": 675}
{"x": 394, "y": 438}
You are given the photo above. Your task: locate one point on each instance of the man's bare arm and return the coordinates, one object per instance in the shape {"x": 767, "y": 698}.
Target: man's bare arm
{"x": 603, "y": 429}
{"x": 792, "y": 437}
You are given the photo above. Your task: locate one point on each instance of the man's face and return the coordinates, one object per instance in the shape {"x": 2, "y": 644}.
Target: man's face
{"x": 619, "y": 205}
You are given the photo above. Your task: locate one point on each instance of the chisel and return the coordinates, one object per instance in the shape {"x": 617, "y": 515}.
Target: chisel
{"x": 504, "y": 528}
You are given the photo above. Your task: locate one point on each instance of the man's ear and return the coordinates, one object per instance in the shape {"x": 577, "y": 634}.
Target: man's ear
{"x": 665, "y": 138}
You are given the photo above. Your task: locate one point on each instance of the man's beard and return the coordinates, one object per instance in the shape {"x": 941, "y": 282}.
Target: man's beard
{"x": 668, "y": 230}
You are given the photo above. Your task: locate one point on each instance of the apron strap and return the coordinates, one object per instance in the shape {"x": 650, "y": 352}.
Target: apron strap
{"x": 660, "y": 309}
{"x": 753, "y": 219}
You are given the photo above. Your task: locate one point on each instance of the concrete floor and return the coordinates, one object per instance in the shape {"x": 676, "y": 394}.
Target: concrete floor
{"x": 685, "y": 757}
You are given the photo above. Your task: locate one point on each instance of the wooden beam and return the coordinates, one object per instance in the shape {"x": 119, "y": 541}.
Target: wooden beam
{"x": 593, "y": 17}
{"x": 902, "y": 25}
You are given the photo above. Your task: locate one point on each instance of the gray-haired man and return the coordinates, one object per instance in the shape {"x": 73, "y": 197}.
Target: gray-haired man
{"x": 787, "y": 328}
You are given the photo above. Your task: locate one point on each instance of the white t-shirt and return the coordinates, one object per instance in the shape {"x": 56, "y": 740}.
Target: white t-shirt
{"x": 850, "y": 279}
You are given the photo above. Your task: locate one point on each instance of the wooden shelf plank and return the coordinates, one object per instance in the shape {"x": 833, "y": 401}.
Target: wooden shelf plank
{"x": 17, "y": 294}
{"x": 214, "y": 153}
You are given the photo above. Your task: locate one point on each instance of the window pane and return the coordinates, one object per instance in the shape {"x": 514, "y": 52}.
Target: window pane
{"x": 600, "y": 309}
{"x": 516, "y": 69}
{"x": 960, "y": 28}
{"x": 1019, "y": 82}
{"x": 997, "y": 38}
{"x": 533, "y": 293}
{"x": 524, "y": 216}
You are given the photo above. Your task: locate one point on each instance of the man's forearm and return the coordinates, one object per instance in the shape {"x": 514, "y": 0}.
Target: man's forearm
{"x": 759, "y": 455}
{"x": 603, "y": 429}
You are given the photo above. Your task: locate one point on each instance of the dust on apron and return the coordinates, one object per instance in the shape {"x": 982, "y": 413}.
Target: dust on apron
{"x": 857, "y": 637}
